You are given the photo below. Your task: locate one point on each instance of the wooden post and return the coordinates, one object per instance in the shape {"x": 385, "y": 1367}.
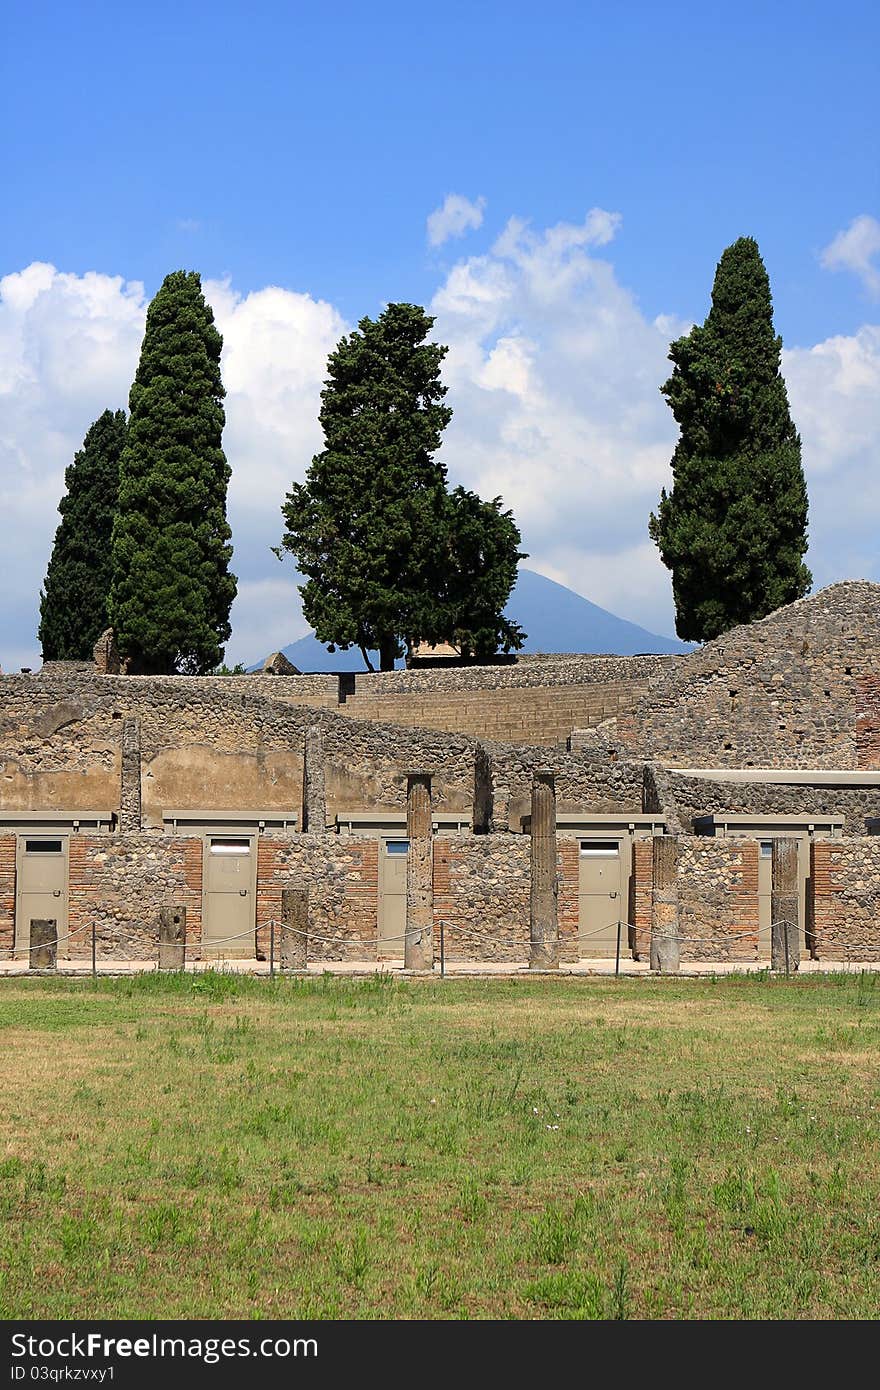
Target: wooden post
{"x": 784, "y": 906}
{"x": 294, "y": 928}
{"x": 44, "y": 943}
{"x": 543, "y": 916}
{"x": 664, "y": 906}
{"x": 172, "y": 937}
{"x": 418, "y": 953}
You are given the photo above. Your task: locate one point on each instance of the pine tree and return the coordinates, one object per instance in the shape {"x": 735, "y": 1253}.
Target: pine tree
{"x": 73, "y": 603}
{"x": 733, "y": 528}
{"x": 172, "y": 589}
{"x": 479, "y": 567}
{"x": 364, "y": 526}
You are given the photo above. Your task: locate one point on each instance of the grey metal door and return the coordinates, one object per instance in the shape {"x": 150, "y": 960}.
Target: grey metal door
{"x": 600, "y": 901}
{"x": 228, "y": 901}
{"x": 392, "y": 897}
{"x": 42, "y": 887}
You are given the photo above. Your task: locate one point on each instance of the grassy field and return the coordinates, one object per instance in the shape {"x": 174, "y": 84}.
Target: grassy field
{"x": 224, "y": 1147}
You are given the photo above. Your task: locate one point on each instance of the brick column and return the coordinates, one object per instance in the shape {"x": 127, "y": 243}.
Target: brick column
{"x": 543, "y": 916}
{"x": 784, "y": 905}
{"x": 418, "y": 951}
{"x": 130, "y": 789}
{"x": 314, "y": 789}
{"x": 664, "y": 906}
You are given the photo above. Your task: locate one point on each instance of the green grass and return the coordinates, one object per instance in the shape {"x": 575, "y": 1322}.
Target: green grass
{"x": 221, "y": 1146}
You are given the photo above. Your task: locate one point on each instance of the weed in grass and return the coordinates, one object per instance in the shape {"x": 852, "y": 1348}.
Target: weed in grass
{"x": 554, "y": 1236}
{"x": 569, "y": 1294}
{"x": 471, "y": 1201}
{"x": 76, "y": 1237}
{"x": 620, "y": 1301}
{"x": 351, "y": 1258}
{"x": 164, "y": 1224}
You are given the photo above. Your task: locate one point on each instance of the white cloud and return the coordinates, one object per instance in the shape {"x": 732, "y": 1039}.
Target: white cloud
{"x": 267, "y": 617}
{"x": 855, "y": 249}
{"x": 455, "y": 216}
{"x": 834, "y": 389}
{"x": 553, "y": 375}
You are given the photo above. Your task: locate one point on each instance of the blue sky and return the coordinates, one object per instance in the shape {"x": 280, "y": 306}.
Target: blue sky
{"x": 302, "y": 147}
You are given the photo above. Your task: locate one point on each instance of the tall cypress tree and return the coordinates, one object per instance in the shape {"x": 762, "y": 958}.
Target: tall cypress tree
{"x": 364, "y": 526}
{"x": 73, "y": 603}
{"x": 172, "y": 589}
{"x": 733, "y": 530}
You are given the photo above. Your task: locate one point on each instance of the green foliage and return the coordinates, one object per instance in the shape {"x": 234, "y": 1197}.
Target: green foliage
{"x": 172, "y": 590}
{"x": 733, "y": 529}
{"x": 73, "y": 603}
{"x": 373, "y": 529}
{"x": 479, "y": 570}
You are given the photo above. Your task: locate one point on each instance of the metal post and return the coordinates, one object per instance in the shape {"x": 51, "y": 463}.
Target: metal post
{"x": 271, "y": 948}
{"x": 94, "y": 962}
{"x": 442, "y": 947}
{"x": 617, "y": 956}
{"x": 786, "y": 925}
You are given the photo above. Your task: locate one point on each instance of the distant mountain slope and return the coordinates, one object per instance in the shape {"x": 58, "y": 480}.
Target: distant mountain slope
{"x": 559, "y": 620}
{"x": 556, "y": 619}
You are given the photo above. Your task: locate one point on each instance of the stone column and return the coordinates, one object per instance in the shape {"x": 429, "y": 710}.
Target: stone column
{"x": 484, "y": 809}
{"x": 419, "y": 944}
{"x": 294, "y": 928}
{"x": 314, "y": 785}
{"x": 43, "y": 943}
{"x": 172, "y": 937}
{"x": 784, "y": 905}
{"x": 664, "y": 906}
{"x": 543, "y": 917}
{"x": 130, "y": 789}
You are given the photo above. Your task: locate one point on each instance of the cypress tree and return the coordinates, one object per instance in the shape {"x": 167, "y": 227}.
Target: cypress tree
{"x": 172, "y": 590}
{"x": 73, "y": 602}
{"x": 365, "y": 525}
{"x": 733, "y": 528}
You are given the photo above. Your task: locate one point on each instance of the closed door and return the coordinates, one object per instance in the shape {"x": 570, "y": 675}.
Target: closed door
{"x": 228, "y": 907}
{"x": 392, "y": 897}
{"x": 600, "y": 903}
{"x": 42, "y": 888}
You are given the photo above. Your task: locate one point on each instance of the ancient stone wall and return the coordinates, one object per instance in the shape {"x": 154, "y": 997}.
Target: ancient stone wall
{"x": 341, "y": 874}
{"x": 536, "y": 702}
{"x": 203, "y": 746}
{"x": 119, "y": 882}
{"x": 718, "y": 898}
{"x": 845, "y": 887}
{"x": 688, "y": 797}
{"x": 582, "y": 784}
{"x": 794, "y": 690}
{"x": 526, "y": 672}
{"x": 481, "y": 893}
